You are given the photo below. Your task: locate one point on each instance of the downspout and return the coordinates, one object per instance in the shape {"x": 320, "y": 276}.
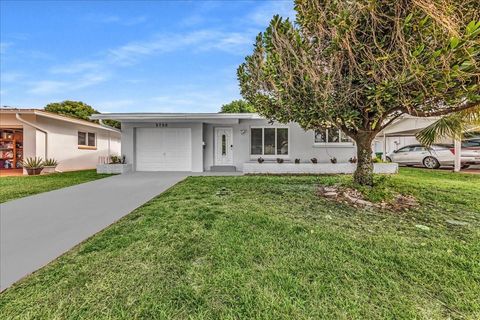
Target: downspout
{"x": 19, "y": 118}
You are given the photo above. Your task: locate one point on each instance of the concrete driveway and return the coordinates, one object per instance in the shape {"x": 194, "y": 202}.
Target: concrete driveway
{"x": 37, "y": 229}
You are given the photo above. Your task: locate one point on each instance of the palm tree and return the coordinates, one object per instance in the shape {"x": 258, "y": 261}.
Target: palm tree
{"x": 451, "y": 126}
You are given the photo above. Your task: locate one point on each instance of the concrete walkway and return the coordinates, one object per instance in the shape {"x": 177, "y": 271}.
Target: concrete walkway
{"x": 37, "y": 229}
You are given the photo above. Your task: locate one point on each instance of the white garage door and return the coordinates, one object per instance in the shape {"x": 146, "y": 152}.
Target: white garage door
{"x": 164, "y": 149}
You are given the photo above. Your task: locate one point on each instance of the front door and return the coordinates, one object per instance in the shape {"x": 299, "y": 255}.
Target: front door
{"x": 223, "y": 146}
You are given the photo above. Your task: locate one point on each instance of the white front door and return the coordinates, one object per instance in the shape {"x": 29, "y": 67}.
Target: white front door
{"x": 223, "y": 146}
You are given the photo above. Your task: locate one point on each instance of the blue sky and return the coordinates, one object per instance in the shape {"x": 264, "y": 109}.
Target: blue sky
{"x": 122, "y": 56}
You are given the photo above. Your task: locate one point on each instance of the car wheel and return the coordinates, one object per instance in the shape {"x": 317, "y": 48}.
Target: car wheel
{"x": 431, "y": 163}
{"x": 465, "y": 166}
{"x": 388, "y": 159}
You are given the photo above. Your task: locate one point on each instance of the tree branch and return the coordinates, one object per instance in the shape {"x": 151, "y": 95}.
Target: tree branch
{"x": 464, "y": 106}
{"x": 395, "y": 117}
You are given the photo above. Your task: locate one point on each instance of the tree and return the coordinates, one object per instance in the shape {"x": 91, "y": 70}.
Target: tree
{"x": 451, "y": 126}
{"x": 77, "y": 109}
{"x": 237, "y": 106}
{"x": 359, "y": 65}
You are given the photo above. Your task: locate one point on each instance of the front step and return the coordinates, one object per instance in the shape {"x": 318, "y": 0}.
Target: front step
{"x": 223, "y": 168}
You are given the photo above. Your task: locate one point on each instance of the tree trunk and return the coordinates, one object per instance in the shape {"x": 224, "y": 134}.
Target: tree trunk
{"x": 364, "y": 173}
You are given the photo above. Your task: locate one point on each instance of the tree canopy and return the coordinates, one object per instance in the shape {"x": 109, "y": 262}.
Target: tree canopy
{"x": 359, "y": 65}
{"x": 238, "y": 106}
{"x": 77, "y": 109}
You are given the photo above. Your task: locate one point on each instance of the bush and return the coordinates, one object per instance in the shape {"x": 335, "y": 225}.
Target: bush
{"x": 32, "y": 163}
{"x": 50, "y": 162}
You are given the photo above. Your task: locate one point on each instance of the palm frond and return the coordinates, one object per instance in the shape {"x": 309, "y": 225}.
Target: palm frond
{"x": 451, "y": 126}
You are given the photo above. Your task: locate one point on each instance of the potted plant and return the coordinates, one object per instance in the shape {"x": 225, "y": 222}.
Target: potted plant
{"x": 314, "y": 160}
{"x": 279, "y": 160}
{"x": 297, "y": 161}
{"x": 49, "y": 165}
{"x": 33, "y": 165}
{"x": 353, "y": 160}
{"x": 260, "y": 160}
{"x": 333, "y": 160}
{"x": 115, "y": 160}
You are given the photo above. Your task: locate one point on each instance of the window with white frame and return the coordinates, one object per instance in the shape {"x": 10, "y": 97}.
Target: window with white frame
{"x": 87, "y": 139}
{"x": 331, "y": 135}
{"x": 269, "y": 141}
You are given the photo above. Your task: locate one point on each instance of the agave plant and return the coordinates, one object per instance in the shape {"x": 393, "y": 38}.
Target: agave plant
{"x": 50, "y": 162}
{"x": 451, "y": 126}
{"x": 33, "y": 163}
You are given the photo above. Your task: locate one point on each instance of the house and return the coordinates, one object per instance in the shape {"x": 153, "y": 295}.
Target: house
{"x": 200, "y": 142}
{"x": 75, "y": 144}
{"x": 402, "y": 132}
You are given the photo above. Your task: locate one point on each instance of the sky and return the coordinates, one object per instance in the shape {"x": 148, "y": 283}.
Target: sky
{"x": 128, "y": 56}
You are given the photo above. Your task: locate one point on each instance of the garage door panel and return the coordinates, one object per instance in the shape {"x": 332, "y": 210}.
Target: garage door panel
{"x": 164, "y": 149}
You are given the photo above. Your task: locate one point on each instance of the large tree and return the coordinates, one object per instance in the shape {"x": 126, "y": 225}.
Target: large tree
{"x": 77, "y": 109}
{"x": 237, "y": 106}
{"x": 359, "y": 65}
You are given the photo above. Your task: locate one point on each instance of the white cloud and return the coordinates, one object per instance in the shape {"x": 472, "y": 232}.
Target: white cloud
{"x": 45, "y": 87}
{"x": 114, "y": 19}
{"x": 203, "y": 40}
{"x": 77, "y": 67}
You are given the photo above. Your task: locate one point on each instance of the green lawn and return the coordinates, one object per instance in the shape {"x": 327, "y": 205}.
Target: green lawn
{"x": 22, "y": 186}
{"x": 267, "y": 247}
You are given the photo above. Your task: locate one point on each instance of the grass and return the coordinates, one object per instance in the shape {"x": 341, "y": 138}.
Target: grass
{"x": 21, "y": 186}
{"x": 267, "y": 247}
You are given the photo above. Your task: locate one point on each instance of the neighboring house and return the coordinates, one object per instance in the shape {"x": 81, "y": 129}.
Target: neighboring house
{"x": 76, "y": 144}
{"x": 402, "y": 133}
{"x": 200, "y": 142}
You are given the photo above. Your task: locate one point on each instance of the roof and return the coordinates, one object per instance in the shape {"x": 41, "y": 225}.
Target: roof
{"x": 173, "y": 116}
{"x": 51, "y": 115}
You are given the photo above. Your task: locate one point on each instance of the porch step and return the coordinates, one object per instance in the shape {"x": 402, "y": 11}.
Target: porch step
{"x": 223, "y": 168}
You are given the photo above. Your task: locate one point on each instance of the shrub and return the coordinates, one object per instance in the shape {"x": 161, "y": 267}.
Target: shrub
{"x": 32, "y": 163}
{"x": 50, "y": 162}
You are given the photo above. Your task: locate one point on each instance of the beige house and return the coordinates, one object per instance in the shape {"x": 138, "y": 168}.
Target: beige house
{"x": 75, "y": 144}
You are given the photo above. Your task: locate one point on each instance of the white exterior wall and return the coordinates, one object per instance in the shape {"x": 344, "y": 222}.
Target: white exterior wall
{"x": 63, "y": 144}
{"x": 62, "y": 140}
{"x": 301, "y": 145}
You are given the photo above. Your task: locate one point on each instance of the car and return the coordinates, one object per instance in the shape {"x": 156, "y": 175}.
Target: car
{"x": 437, "y": 155}
{"x": 470, "y": 153}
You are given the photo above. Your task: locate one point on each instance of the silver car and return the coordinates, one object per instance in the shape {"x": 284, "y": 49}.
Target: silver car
{"x": 432, "y": 158}
{"x": 437, "y": 155}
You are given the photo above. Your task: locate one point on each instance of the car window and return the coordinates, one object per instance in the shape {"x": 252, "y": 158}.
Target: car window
{"x": 419, "y": 149}
{"x": 405, "y": 149}
{"x": 470, "y": 143}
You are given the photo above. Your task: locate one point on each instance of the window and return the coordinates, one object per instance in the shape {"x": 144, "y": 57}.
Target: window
{"x": 82, "y": 138}
{"x": 420, "y": 149}
{"x": 331, "y": 135}
{"x": 87, "y": 139}
{"x": 405, "y": 149}
{"x": 269, "y": 141}
{"x": 224, "y": 144}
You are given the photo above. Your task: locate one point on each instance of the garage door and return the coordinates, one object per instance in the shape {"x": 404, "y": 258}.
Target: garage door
{"x": 164, "y": 149}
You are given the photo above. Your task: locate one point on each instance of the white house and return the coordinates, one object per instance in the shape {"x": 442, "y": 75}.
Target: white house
{"x": 200, "y": 142}
{"x": 75, "y": 144}
{"x": 402, "y": 133}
